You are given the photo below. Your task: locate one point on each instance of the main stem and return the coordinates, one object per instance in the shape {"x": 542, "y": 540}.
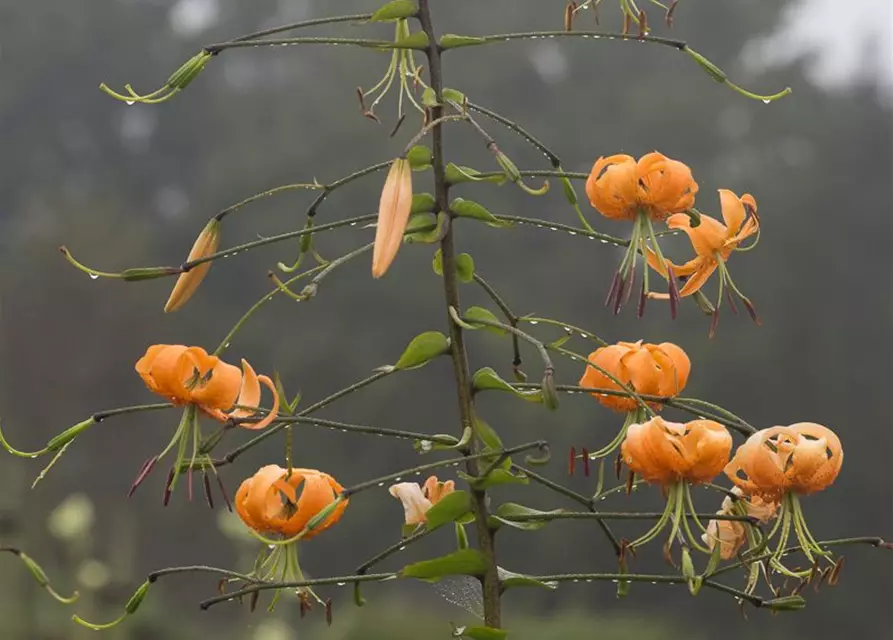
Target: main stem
{"x": 486, "y": 543}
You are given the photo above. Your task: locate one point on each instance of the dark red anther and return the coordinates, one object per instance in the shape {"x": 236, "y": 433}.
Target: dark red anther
{"x": 643, "y": 24}
{"x": 621, "y": 292}
{"x": 750, "y": 309}
{"x": 329, "y": 612}
{"x": 630, "y": 285}
{"x": 674, "y": 292}
{"x": 643, "y": 298}
{"x": 732, "y": 304}
{"x": 305, "y": 604}
{"x": 714, "y": 322}
{"x": 221, "y": 585}
{"x": 630, "y": 481}
{"x": 615, "y": 284}
{"x": 189, "y": 485}
{"x": 585, "y": 462}
{"x": 835, "y": 572}
{"x": 223, "y": 493}
{"x": 253, "y": 602}
{"x": 668, "y": 555}
{"x": 572, "y": 461}
{"x": 625, "y": 23}
{"x": 669, "y": 16}
{"x": 207, "y": 484}
{"x": 168, "y": 488}
{"x": 618, "y": 466}
{"x": 145, "y": 470}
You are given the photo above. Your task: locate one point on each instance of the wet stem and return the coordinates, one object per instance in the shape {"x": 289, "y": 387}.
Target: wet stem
{"x": 485, "y": 540}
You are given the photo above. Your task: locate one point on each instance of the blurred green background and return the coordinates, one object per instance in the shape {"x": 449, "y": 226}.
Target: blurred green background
{"x": 132, "y": 186}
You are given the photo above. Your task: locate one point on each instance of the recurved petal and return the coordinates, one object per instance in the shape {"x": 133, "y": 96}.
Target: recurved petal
{"x": 169, "y": 370}
{"x": 144, "y": 365}
{"x": 817, "y": 458}
{"x": 274, "y": 410}
{"x": 316, "y": 494}
{"x": 707, "y": 447}
{"x": 676, "y": 365}
{"x": 262, "y": 504}
{"x": 611, "y": 186}
{"x": 643, "y": 372}
{"x": 730, "y": 535}
{"x": 699, "y": 278}
{"x": 756, "y": 468}
{"x": 732, "y": 211}
{"x": 706, "y": 239}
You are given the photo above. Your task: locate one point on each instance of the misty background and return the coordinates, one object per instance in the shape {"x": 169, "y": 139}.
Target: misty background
{"x": 125, "y": 186}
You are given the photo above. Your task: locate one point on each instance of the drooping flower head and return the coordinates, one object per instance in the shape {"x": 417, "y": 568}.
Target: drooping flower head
{"x": 652, "y": 188}
{"x": 271, "y": 501}
{"x": 650, "y": 369}
{"x": 803, "y": 458}
{"x": 418, "y": 499}
{"x": 619, "y": 187}
{"x": 188, "y": 375}
{"x": 665, "y": 453}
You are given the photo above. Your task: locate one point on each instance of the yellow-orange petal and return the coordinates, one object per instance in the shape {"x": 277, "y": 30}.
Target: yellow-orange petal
{"x": 393, "y": 215}
{"x": 611, "y": 186}
{"x": 699, "y": 278}
{"x": 415, "y": 502}
{"x": 706, "y": 239}
{"x": 169, "y": 370}
{"x": 675, "y": 365}
{"x": 187, "y": 283}
{"x": 144, "y": 365}
{"x": 707, "y": 447}
{"x": 274, "y": 410}
{"x": 732, "y": 211}
{"x": 219, "y": 390}
{"x": 824, "y": 453}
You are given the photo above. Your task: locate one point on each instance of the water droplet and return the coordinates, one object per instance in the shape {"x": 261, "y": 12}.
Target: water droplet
{"x": 553, "y": 228}
{"x": 576, "y": 580}
{"x": 588, "y": 579}
{"x": 226, "y": 346}
{"x": 94, "y": 276}
{"x": 603, "y": 497}
{"x": 604, "y": 242}
{"x": 766, "y": 101}
{"x": 534, "y": 321}
{"x": 344, "y": 431}
{"x": 572, "y": 233}
{"x": 271, "y": 546}
{"x": 339, "y": 584}
{"x": 398, "y": 479}
{"x": 381, "y": 484}
{"x": 570, "y": 393}
{"x": 653, "y": 582}
{"x": 353, "y": 224}
{"x": 401, "y": 548}
{"x": 130, "y": 103}
{"x": 614, "y": 581}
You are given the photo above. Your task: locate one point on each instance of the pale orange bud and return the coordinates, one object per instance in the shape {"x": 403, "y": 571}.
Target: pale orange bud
{"x": 188, "y": 282}
{"x": 393, "y": 214}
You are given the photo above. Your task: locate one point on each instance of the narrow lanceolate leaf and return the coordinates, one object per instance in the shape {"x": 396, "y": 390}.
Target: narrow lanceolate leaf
{"x": 452, "y": 41}
{"x": 487, "y": 379}
{"x": 495, "y": 478}
{"x": 480, "y": 313}
{"x": 449, "y": 509}
{"x": 508, "y": 580}
{"x": 424, "y": 347}
{"x": 467, "y": 562}
{"x": 395, "y": 10}
{"x": 470, "y": 209}
{"x": 481, "y": 633}
{"x": 505, "y": 512}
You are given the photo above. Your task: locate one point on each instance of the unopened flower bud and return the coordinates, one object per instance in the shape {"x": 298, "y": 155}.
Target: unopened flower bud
{"x": 137, "y": 598}
{"x": 205, "y": 245}
{"x": 393, "y": 215}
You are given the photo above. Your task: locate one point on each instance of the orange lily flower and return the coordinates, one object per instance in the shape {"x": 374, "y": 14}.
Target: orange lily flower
{"x": 393, "y": 215}
{"x": 188, "y": 375}
{"x": 206, "y": 244}
{"x": 619, "y": 187}
{"x": 803, "y": 458}
{"x": 650, "y": 369}
{"x": 268, "y": 502}
{"x": 651, "y": 189}
{"x": 730, "y": 534}
{"x": 418, "y": 499}
{"x": 664, "y": 453}
{"x": 713, "y": 243}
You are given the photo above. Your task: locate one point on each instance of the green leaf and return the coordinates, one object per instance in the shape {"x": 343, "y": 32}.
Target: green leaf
{"x": 437, "y": 263}
{"x": 559, "y": 342}
{"x": 430, "y": 236}
{"x": 488, "y": 379}
{"x": 465, "y": 267}
{"x": 470, "y": 209}
{"x": 422, "y": 203}
{"x": 503, "y": 516}
{"x": 395, "y": 10}
{"x": 420, "y": 225}
{"x": 420, "y": 157}
{"x": 467, "y": 562}
{"x": 456, "y": 174}
{"x": 452, "y": 41}
{"x": 417, "y": 40}
{"x": 486, "y": 433}
{"x": 508, "y": 579}
{"x": 480, "y": 313}
{"x": 424, "y": 347}
{"x": 495, "y": 478}
{"x": 429, "y": 98}
{"x": 480, "y": 633}
{"x": 450, "y": 508}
